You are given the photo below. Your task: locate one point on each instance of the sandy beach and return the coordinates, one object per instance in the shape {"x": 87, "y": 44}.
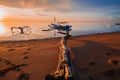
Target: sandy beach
{"x": 40, "y": 57}
{"x": 94, "y": 57}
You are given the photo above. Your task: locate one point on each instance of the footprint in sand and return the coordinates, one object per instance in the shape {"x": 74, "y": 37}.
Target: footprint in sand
{"x": 86, "y": 68}
{"x": 23, "y": 76}
{"x": 108, "y": 53}
{"x": 1, "y": 59}
{"x": 25, "y": 52}
{"x": 8, "y": 62}
{"x": 2, "y": 74}
{"x": 28, "y": 49}
{"x": 96, "y": 57}
{"x": 110, "y": 71}
{"x": 92, "y": 63}
{"x": 24, "y": 64}
{"x": 25, "y": 57}
{"x": 114, "y": 50}
{"x": 12, "y": 49}
{"x": 114, "y": 61}
{"x": 17, "y": 69}
{"x": 20, "y": 46}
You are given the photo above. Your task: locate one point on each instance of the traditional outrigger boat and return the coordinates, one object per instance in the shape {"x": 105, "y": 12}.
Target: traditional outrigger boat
{"x": 60, "y": 26}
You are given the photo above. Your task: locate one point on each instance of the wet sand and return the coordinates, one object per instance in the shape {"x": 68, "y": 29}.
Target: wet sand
{"x": 94, "y": 57}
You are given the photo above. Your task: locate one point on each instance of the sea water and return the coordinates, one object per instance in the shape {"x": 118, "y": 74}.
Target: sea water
{"x": 78, "y": 28}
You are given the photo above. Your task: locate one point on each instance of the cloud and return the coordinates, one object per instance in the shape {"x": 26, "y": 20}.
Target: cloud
{"x": 41, "y": 14}
{"x": 47, "y": 5}
{"x": 64, "y": 6}
{"x": 99, "y": 3}
{"x": 23, "y": 15}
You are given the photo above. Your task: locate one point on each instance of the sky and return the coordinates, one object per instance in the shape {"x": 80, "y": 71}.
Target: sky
{"x": 72, "y": 10}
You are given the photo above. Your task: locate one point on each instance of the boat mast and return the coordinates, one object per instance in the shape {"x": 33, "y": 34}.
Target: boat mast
{"x": 54, "y": 20}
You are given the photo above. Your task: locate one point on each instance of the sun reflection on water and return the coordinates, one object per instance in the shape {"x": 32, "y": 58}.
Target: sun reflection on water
{"x": 2, "y": 29}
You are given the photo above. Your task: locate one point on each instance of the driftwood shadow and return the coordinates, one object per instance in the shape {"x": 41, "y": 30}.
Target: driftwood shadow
{"x": 90, "y": 61}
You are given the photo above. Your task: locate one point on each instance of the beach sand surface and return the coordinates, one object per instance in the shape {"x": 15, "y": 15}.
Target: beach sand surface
{"x": 39, "y": 56}
{"x": 94, "y": 57}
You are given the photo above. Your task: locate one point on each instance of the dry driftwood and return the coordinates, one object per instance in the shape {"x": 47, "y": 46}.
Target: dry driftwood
{"x": 64, "y": 71}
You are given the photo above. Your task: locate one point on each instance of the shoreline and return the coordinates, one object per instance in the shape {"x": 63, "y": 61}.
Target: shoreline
{"x": 58, "y": 37}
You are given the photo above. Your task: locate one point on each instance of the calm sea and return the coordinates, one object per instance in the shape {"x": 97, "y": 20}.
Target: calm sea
{"x": 79, "y": 28}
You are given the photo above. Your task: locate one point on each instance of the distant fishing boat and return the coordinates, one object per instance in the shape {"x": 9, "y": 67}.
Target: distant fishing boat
{"x": 20, "y": 30}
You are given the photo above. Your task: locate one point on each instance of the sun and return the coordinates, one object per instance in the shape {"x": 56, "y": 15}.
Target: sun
{"x": 2, "y": 13}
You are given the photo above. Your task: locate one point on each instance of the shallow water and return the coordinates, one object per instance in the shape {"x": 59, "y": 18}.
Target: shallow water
{"x": 79, "y": 28}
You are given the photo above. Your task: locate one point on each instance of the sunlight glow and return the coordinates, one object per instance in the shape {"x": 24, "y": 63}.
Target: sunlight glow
{"x": 2, "y": 13}
{"x": 2, "y": 29}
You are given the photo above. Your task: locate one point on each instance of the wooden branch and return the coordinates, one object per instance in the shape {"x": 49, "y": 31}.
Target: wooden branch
{"x": 64, "y": 69}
